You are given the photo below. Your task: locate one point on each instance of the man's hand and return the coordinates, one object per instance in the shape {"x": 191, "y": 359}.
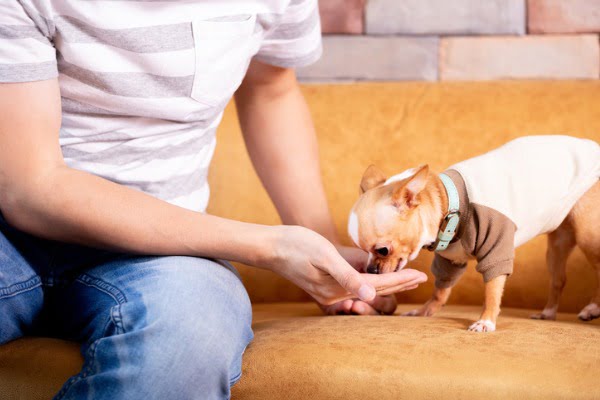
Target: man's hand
{"x": 313, "y": 263}
{"x": 380, "y": 305}
{"x": 385, "y": 305}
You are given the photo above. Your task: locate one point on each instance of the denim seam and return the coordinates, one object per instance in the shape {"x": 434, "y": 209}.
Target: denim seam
{"x": 119, "y": 298}
{"x": 20, "y": 287}
{"x": 103, "y": 286}
{"x": 235, "y": 379}
{"x": 70, "y": 382}
{"x": 116, "y": 318}
{"x": 86, "y": 370}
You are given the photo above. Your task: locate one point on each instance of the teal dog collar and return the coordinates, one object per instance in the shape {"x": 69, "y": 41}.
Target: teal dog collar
{"x": 447, "y": 230}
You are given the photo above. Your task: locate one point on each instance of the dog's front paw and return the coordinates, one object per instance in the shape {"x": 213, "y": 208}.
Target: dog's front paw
{"x": 426, "y": 311}
{"x": 589, "y": 312}
{"x": 545, "y": 315}
{"x": 413, "y": 313}
{"x": 483, "y": 325}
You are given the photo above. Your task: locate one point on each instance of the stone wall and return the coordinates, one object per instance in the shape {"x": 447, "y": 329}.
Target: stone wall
{"x": 457, "y": 40}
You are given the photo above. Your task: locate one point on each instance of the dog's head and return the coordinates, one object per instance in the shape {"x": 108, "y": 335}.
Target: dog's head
{"x": 386, "y": 220}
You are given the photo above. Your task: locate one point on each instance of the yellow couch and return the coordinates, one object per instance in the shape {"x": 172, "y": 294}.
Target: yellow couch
{"x": 300, "y": 354}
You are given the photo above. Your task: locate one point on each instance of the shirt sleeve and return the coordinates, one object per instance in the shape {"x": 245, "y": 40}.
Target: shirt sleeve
{"x": 494, "y": 243}
{"x": 446, "y": 273}
{"x": 26, "y": 51}
{"x": 295, "y": 39}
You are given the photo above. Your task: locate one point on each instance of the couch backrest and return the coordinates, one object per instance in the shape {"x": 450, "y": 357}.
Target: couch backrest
{"x": 401, "y": 125}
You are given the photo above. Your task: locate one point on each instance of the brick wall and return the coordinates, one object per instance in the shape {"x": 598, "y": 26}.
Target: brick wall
{"x": 458, "y": 40}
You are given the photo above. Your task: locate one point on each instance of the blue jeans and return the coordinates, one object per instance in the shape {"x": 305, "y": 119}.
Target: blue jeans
{"x": 150, "y": 327}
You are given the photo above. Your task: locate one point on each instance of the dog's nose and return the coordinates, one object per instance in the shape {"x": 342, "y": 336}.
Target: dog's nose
{"x": 373, "y": 269}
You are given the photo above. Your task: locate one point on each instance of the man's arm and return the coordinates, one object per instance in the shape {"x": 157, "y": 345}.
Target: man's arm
{"x": 282, "y": 144}
{"x": 40, "y": 195}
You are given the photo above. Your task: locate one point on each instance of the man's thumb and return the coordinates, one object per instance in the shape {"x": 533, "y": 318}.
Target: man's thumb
{"x": 351, "y": 280}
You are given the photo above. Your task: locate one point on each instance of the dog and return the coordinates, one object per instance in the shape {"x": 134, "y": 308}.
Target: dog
{"x": 483, "y": 208}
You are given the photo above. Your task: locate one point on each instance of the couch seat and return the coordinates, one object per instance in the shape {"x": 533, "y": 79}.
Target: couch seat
{"x": 298, "y": 353}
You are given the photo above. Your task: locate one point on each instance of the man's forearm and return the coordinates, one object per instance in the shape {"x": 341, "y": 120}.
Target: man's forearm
{"x": 73, "y": 206}
{"x": 282, "y": 144}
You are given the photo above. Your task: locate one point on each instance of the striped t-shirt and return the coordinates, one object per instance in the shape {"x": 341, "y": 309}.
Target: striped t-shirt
{"x": 144, "y": 83}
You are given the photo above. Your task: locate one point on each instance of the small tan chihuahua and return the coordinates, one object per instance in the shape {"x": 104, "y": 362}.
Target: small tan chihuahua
{"x": 483, "y": 208}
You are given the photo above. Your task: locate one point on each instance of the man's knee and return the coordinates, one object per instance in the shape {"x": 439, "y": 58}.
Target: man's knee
{"x": 201, "y": 293}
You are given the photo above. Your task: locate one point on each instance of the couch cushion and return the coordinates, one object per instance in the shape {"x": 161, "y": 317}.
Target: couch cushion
{"x": 298, "y": 353}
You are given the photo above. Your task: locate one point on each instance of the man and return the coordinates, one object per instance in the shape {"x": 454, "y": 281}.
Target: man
{"x": 108, "y": 112}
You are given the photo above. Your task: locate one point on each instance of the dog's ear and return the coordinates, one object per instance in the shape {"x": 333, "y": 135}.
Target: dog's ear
{"x": 405, "y": 194}
{"x": 372, "y": 177}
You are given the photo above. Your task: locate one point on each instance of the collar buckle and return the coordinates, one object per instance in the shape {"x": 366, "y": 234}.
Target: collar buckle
{"x": 447, "y": 231}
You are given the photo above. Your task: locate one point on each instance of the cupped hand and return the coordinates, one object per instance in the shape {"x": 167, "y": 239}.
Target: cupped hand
{"x": 313, "y": 263}
{"x": 380, "y": 305}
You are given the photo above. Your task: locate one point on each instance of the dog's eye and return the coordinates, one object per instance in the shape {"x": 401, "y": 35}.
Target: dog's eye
{"x": 382, "y": 251}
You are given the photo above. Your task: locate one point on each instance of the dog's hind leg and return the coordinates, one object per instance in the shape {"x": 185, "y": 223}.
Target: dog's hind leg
{"x": 560, "y": 245}
{"x": 592, "y": 310}
{"x": 586, "y": 219}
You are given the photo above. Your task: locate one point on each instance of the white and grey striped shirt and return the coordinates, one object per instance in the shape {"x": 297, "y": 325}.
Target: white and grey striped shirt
{"x": 144, "y": 82}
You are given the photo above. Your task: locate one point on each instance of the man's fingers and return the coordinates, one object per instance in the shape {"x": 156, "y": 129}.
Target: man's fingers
{"x": 339, "y": 308}
{"x": 396, "y": 289}
{"x": 384, "y": 284}
{"x": 350, "y": 279}
{"x": 361, "y": 308}
{"x": 394, "y": 279}
{"x": 384, "y": 304}
{"x": 379, "y": 305}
